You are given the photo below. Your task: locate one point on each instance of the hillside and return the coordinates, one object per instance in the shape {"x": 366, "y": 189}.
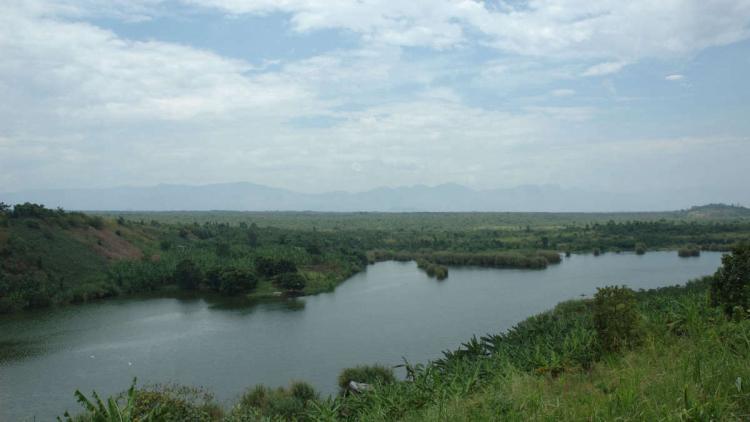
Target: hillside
{"x": 55, "y": 257}
{"x": 718, "y": 212}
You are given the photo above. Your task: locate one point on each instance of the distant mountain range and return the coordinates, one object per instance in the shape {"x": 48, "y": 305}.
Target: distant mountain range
{"x": 448, "y": 197}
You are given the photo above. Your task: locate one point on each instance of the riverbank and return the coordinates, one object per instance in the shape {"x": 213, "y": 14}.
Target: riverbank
{"x": 686, "y": 360}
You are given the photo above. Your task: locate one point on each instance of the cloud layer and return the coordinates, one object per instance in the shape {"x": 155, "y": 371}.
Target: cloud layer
{"x": 482, "y": 93}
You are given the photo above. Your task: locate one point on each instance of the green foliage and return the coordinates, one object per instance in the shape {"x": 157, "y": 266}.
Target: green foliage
{"x": 433, "y": 270}
{"x": 640, "y": 248}
{"x": 175, "y": 403}
{"x": 616, "y": 317}
{"x": 516, "y": 259}
{"x": 231, "y": 281}
{"x": 264, "y": 402}
{"x": 270, "y": 267}
{"x": 730, "y": 288}
{"x": 113, "y": 410}
{"x": 188, "y": 275}
{"x": 689, "y": 251}
{"x": 368, "y": 374}
{"x": 294, "y": 282}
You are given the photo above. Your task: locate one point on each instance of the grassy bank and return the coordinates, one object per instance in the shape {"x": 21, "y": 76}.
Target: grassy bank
{"x": 677, "y": 353}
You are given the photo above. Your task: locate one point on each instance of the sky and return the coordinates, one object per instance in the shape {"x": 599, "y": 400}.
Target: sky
{"x": 316, "y": 95}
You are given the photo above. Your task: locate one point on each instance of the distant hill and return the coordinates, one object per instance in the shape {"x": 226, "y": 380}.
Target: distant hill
{"x": 718, "y": 211}
{"x": 442, "y": 198}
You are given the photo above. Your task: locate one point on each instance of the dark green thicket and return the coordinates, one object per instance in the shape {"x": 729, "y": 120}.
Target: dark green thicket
{"x": 188, "y": 275}
{"x": 689, "y": 251}
{"x": 616, "y": 317}
{"x": 293, "y": 282}
{"x": 730, "y": 287}
{"x": 532, "y": 259}
{"x": 640, "y": 248}
{"x": 433, "y": 270}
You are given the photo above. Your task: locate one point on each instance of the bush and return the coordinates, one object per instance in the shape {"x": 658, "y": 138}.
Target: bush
{"x": 232, "y": 281}
{"x": 263, "y": 402}
{"x": 176, "y": 403}
{"x": 368, "y": 374}
{"x": 291, "y": 281}
{"x": 270, "y": 267}
{"x": 730, "y": 287}
{"x": 689, "y": 251}
{"x": 616, "y": 318}
{"x": 187, "y": 275}
{"x": 640, "y": 248}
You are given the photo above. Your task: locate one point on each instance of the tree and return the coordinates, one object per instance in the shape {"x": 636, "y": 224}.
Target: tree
{"x": 616, "y": 317}
{"x": 187, "y": 275}
{"x": 294, "y": 282}
{"x": 270, "y": 267}
{"x": 236, "y": 280}
{"x": 730, "y": 287}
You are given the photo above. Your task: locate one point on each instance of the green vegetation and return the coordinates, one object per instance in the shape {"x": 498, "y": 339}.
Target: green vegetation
{"x": 730, "y": 287}
{"x": 514, "y": 259}
{"x": 615, "y": 318}
{"x": 640, "y": 248}
{"x": 665, "y": 354}
{"x": 689, "y": 251}
{"x": 368, "y": 374}
{"x": 54, "y": 257}
{"x": 433, "y": 270}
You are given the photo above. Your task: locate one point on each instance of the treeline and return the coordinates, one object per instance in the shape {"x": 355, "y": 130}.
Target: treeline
{"x": 505, "y": 259}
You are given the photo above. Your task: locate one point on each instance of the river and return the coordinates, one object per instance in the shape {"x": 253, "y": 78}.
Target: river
{"x": 388, "y": 312}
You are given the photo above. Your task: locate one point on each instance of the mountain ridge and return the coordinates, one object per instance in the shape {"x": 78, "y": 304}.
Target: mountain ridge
{"x": 449, "y": 197}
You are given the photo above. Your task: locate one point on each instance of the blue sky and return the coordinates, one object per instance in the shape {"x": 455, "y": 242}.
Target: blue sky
{"x": 316, "y": 95}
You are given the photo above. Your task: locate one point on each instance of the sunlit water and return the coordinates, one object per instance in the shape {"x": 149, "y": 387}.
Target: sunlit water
{"x": 388, "y": 312}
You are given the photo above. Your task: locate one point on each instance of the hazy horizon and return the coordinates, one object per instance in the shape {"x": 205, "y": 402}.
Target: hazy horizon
{"x": 246, "y": 196}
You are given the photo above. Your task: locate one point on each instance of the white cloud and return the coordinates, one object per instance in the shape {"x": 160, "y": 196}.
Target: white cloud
{"x": 602, "y": 69}
{"x": 82, "y": 105}
{"x": 675, "y": 77}
{"x": 605, "y": 29}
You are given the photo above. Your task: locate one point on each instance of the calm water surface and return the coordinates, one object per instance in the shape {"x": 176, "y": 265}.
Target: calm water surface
{"x": 388, "y": 312}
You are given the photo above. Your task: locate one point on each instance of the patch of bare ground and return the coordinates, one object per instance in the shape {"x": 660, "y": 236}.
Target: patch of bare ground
{"x": 108, "y": 244}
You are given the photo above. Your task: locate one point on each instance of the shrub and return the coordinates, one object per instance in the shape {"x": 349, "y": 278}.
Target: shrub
{"x": 232, "y": 281}
{"x": 616, "y": 318}
{"x": 262, "y": 402}
{"x": 730, "y": 287}
{"x": 368, "y": 374}
{"x": 270, "y": 267}
{"x": 689, "y": 251}
{"x": 291, "y": 281}
{"x": 113, "y": 410}
{"x": 640, "y": 248}
{"x": 176, "y": 404}
{"x": 187, "y": 275}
